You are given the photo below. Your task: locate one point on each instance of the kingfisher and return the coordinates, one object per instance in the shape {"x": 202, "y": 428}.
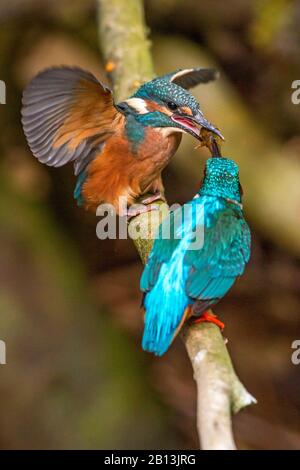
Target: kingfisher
{"x": 184, "y": 278}
{"x": 118, "y": 150}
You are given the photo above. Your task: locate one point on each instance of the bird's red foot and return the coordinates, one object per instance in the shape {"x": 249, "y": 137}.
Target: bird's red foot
{"x": 155, "y": 197}
{"x": 211, "y": 318}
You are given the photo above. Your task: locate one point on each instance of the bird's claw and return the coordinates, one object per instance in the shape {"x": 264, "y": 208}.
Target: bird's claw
{"x": 138, "y": 209}
{"x": 211, "y": 318}
{"x": 158, "y": 196}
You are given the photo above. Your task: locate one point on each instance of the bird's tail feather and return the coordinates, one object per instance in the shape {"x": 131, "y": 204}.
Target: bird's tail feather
{"x": 163, "y": 321}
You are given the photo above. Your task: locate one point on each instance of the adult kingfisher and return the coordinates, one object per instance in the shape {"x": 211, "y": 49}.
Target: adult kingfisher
{"x": 118, "y": 150}
{"x": 183, "y": 279}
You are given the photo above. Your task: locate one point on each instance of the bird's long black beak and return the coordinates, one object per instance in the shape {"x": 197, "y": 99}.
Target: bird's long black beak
{"x": 200, "y": 119}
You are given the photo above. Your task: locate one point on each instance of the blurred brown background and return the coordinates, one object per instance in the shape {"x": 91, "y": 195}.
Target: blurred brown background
{"x": 76, "y": 376}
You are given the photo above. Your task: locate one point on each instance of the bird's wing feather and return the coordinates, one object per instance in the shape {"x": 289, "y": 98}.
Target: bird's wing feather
{"x": 67, "y": 114}
{"x": 226, "y": 250}
{"x": 167, "y": 239}
{"x": 189, "y": 78}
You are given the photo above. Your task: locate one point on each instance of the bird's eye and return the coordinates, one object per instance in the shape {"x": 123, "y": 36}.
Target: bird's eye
{"x": 172, "y": 106}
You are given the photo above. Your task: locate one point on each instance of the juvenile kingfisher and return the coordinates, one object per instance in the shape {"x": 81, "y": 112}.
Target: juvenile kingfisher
{"x": 118, "y": 150}
{"x": 182, "y": 279}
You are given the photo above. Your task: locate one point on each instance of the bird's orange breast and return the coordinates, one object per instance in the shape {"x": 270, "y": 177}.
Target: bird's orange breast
{"x": 122, "y": 171}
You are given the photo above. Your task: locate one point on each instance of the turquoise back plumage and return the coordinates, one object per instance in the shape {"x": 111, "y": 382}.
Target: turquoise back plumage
{"x": 180, "y": 273}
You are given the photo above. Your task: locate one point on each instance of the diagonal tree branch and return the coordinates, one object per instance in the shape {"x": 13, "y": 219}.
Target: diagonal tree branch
{"x": 124, "y": 44}
{"x": 126, "y": 50}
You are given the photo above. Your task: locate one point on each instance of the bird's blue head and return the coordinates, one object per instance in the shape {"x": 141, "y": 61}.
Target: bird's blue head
{"x": 221, "y": 178}
{"x": 165, "y": 103}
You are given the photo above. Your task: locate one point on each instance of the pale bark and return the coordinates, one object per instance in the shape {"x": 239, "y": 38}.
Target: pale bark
{"x": 126, "y": 49}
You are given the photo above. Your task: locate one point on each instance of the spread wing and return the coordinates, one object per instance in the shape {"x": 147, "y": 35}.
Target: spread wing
{"x": 225, "y": 253}
{"x": 189, "y": 78}
{"x": 67, "y": 114}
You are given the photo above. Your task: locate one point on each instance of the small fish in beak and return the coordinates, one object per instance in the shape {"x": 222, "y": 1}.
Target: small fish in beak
{"x": 207, "y": 139}
{"x": 206, "y": 125}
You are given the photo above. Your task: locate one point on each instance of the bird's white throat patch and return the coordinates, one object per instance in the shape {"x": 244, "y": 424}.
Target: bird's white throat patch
{"x": 166, "y": 131}
{"x": 138, "y": 104}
